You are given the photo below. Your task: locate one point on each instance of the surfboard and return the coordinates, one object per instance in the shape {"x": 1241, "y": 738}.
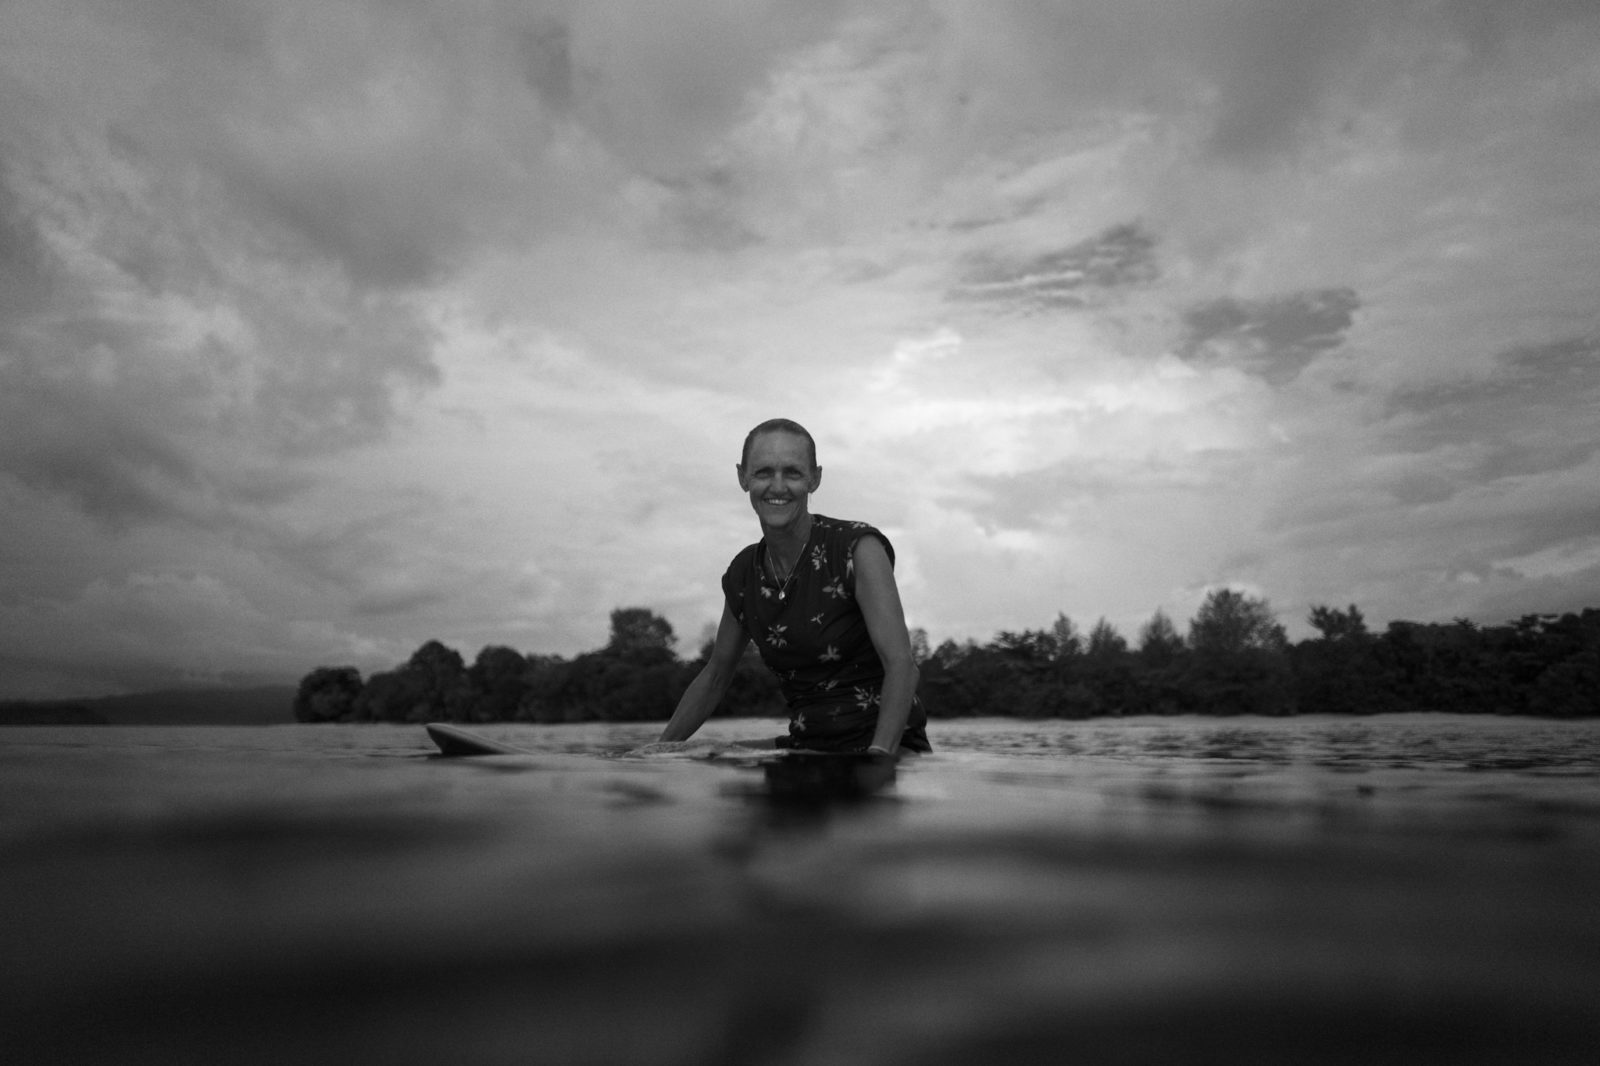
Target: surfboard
{"x": 453, "y": 740}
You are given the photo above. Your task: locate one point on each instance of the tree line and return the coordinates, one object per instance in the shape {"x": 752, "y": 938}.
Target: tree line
{"x": 1234, "y": 658}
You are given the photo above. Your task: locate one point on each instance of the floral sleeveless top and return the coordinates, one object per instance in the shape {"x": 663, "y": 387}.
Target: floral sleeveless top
{"x": 812, "y": 635}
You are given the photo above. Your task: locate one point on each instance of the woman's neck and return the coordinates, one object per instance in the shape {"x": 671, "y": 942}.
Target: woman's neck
{"x": 787, "y": 543}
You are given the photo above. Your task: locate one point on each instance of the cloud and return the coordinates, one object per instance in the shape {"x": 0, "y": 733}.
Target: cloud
{"x": 658, "y": 84}
{"x": 119, "y": 635}
{"x": 164, "y": 351}
{"x": 1120, "y": 257}
{"x": 1273, "y": 337}
{"x": 25, "y": 277}
{"x": 383, "y": 138}
{"x": 1465, "y": 497}
{"x": 1524, "y": 419}
{"x": 141, "y": 402}
{"x": 1251, "y": 79}
{"x": 1524, "y": 384}
{"x": 1274, "y": 67}
{"x": 1489, "y": 27}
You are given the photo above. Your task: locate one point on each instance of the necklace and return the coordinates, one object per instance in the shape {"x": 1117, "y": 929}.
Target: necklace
{"x": 782, "y": 580}
{"x": 778, "y": 576}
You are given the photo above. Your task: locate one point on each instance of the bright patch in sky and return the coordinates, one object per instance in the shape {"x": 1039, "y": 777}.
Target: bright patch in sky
{"x": 329, "y": 328}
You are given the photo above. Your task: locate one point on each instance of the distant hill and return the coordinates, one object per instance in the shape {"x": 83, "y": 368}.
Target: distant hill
{"x": 269, "y": 705}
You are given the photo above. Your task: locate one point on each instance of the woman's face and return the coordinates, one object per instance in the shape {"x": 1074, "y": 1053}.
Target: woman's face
{"x": 779, "y": 478}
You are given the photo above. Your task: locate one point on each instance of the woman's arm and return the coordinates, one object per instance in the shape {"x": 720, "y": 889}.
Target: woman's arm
{"x": 711, "y": 683}
{"x": 879, "y": 600}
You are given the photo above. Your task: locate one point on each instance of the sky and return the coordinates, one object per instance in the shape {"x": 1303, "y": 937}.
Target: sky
{"x": 329, "y": 327}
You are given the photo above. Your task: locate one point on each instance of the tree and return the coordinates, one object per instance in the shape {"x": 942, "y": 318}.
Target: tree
{"x": 396, "y": 696}
{"x": 1340, "y": 672}
{"x": 1159, "y": 642}
{"x": 1236, "y": 660}
{"x": 441, "y": 666}
{"x": 497, "y": 680}
{"x": 640, "y": 633}
{"x": 431, "y": 684}
{"x": 1238, "y": 665}
{"x": 328, "y": 694}
{"x": 1108, "y": 673}
{"x": 1105, "y": 642}
{"x": 949, "y": 653}
{"x": 968, "y": 679}
{"x": 1230, "y": 621}
{"x": 1570, "y": 688}
{"x": 1028, "y": 645}
{"x": 545, "y": 684}
{"x": 1335, "y": 624}
{"x": 1064, "y": 633}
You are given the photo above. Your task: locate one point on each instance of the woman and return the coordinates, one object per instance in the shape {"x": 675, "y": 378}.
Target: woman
{"x": 818, "y": 597}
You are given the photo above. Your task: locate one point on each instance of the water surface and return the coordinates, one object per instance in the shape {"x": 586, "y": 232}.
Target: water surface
{"x": 1394, "y": 889}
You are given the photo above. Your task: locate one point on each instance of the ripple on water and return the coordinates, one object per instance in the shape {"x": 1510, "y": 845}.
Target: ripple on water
{"x": 1142, "y": 891}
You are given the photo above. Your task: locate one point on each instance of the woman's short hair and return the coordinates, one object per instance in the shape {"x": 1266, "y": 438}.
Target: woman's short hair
{"x": 778, "y": 425}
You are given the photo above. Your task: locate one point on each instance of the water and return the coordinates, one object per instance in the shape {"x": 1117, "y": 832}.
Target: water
{"x": 1396, "y": 889}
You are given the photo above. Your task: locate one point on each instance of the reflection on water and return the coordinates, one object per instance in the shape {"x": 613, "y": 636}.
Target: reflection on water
{"x": 800, "y": 792}
{"x": 807, "y": 780}
{"x": 804, "y": 782}
{"x": 1390, "y": 890}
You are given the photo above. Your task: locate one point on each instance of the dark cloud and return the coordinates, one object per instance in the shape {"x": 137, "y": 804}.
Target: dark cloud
{"x": 25, "y": 274}
{"x": 328, "y": 379}
{"x": 384, "y": 602}
{"x": 1278, "y": 61}
{"x": 1264, "y": 76}
{"x": 1532, "y": 414}
{"x": 387, "y": 138}
{"x": 1523, "y": 380}
{"x": 397, "y": 210}
{"x": 239, "y": 29}
{"x": 1259, "y": 73}
{"x": 159, "y": 375}
{"x": 400, "y": 140}
{"x": 701, "y": 213}
{"x": 545, "y": 45}
{"x": 42, "y": 677}
{"x": 133, "y": 451}
{"x": 388, "y": 235}
{"x": 1074, "y": 277}
{"x": 1513, "y": 403}
{"x": 659, "y": 84}
{"x": 1488, "y": 26}
{"x": 85, "y": 444}
{"x": 1568, "y": 522}
{"x": 1275, "y": 337}
{"x": 133, "y": 435}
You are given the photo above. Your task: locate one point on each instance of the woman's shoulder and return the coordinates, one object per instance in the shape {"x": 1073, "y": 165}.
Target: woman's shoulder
{"x": 846, "y": 533}
{"x": 745, "y": 559}
{"x": 842, "y": 525}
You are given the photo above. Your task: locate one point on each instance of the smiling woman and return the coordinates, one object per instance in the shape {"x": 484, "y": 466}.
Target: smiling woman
{"x": 818, "y": 597}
